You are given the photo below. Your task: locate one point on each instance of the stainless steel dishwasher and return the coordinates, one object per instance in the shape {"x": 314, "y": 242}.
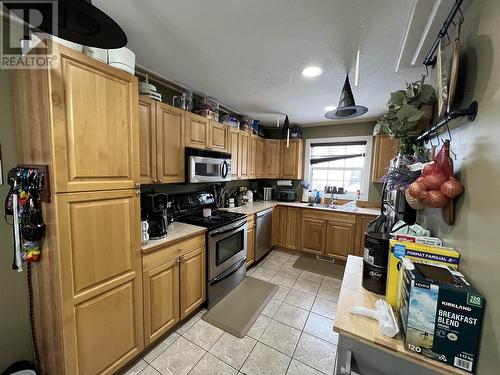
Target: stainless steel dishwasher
{"x": 263, "y": 232}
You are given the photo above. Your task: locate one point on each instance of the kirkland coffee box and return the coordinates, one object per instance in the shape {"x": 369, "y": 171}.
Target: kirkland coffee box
{"x": 441, "y": 314}
{"x": 416, "y": 253}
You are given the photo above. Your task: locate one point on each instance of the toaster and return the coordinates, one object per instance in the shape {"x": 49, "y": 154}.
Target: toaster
{"x": 286, "y": 195}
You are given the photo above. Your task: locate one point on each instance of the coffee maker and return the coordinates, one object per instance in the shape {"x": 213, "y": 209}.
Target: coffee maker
{"x": 154, "y": 211}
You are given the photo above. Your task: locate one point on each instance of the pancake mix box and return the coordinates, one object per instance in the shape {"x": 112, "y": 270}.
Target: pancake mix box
{"x": 416, "y": 253}
{"x": 441, "y": 314}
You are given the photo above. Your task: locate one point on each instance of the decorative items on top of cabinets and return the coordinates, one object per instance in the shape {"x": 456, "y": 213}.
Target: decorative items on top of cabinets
{"x": 161, "y": 142}
{"x": 272, "y": 158}
{"x": 292, "y": 159}
{"x": 385, "y": 149}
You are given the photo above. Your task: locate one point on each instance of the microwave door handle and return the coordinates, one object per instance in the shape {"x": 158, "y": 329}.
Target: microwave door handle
{"x": 224, "y": 169}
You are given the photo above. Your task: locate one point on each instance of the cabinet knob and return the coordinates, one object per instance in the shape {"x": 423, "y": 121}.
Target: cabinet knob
{"x": 138, "y": 193}
{"x": 182, "y": 259}
{"x": 138, "y": 185}
{"x": 178, "y": 260}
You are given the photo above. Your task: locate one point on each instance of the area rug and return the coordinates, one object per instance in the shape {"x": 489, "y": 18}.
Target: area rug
{"x": 237, "y": 311}
{"x": 310, "y": 263}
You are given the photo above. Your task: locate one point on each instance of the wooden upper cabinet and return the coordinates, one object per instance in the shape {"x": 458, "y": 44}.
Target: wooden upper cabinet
{"x": 192, "y": 281}
{"x": 170, "y": 129}
{"x": 260, "y": 161}
{"x": 161, "y": 299}
{"x": 252, "y": 156}
{"x": 384, "y": 150}
{"x": 147, "y": 139}
{"x": 101, "y": 279}
{"x": 292, "y": 159}
{"x": 313, "y": 233}
{"x": 95, "y": 126}
{"x": 292, "y": 228}
{"x": 197, "y": 131}
{"x": 243, "y": 144}
{"x": 234, "y": 150}
{"x": 272, "y": 158}
{"x": 218, "y": 136}
{"x": 339, "y": 239}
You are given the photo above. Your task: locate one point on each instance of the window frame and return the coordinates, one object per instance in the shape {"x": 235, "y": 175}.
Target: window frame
{"x": 365, "y": 178}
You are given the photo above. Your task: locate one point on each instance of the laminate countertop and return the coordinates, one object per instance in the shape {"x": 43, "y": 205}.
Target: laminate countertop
{"x": 176, "y": 232}
{"x": 254, "y": 207}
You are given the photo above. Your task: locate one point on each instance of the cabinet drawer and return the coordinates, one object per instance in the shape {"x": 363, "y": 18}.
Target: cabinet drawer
{"x": 164, "y": 254}
{"x": 329, "y": 216}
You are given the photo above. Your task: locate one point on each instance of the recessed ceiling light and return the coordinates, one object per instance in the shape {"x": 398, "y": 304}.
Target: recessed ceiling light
{"x": 312, "y": 71}
{"x": 330, "y": 108}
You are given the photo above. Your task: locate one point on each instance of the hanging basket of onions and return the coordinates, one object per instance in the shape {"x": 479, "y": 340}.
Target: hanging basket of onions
{"x": 414, "y": 202}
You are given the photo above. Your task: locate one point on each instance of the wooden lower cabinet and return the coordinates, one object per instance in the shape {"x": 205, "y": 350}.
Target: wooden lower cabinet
{"x": 192, "y": 281}
{"x": 250, "y": 240}
{"x": 161, "y": 299}
{"x": 174, "y": 285}
{"x": 101, "y": 284}
{"x": 339, "y": 239}
{"x": 362, "y": 222}
{"x": 279, "y": 226}
{"x": 292, "y": 228}
{"x": 313, "y": 235}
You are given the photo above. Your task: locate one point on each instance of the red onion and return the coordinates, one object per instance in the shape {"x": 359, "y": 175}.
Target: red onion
{"x": 452, "y": 188}
{"x": 417, "y": 190}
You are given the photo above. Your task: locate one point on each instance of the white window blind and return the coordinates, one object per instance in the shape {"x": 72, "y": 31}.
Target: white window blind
{"x": 346, "y": 172}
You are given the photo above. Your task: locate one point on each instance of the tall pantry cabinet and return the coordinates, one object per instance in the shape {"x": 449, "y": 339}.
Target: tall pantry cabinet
{"x": 81, "y": 119}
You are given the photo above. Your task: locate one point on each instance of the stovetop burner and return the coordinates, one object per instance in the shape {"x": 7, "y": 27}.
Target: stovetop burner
{"x": 218, "y": 219}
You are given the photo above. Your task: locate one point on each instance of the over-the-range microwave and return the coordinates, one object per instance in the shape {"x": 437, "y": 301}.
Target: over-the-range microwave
{"x": 207, "y": 166}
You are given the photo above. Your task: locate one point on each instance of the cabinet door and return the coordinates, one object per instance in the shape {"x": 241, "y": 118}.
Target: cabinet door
{"x": 385, "y": 149}
{"x": 279, "y": 226}
{"x": 218, "y": 136}
{"x": 161, "y": 299}
{"x": 100, "y": 278}
{"x": 95, "y": 128}
{"x": 243, "y": 142}
{"x": 192, "y": 281}
{"x": 260, "y": 159}
{"x": 170, "y": 144}
{"x": 292, "y": 228}
{"x": 197, "y": 131}
{"x": 252, "y": 157}
{"x": 250, "y": 245}
{"x": 313, "y": 235}
{"x": 272, "y": 156}
{"x": 292, "y": 159}
{"x": 234, "y": 150}
{"x": 339, "y": 239}
{"x": 147, "y": 139}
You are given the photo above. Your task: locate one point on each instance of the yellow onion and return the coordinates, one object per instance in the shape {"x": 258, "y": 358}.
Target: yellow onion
{"x": 452, "y": 188}
{"x": 436, "y": 199}
{"x": 417, "y": 190}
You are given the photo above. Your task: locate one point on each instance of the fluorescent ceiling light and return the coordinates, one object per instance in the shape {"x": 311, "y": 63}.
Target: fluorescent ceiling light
{"x": 356, "y": 76}
{"x": 312, "y": 71}
{"x": 330, "y": 108}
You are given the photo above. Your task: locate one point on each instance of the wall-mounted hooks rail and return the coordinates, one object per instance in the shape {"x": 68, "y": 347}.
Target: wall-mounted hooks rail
{"x": 431, "y": 59}
{"x": 470, "y": 112}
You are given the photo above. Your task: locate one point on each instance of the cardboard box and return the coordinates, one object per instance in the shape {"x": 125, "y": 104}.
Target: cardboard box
{"x": 416, "y": 253}
{"x": 431, "y": 241}
{"x": 441, "y": 314}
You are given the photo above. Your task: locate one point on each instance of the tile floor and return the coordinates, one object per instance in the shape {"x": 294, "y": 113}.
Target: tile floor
{"x": 293, "y": 335}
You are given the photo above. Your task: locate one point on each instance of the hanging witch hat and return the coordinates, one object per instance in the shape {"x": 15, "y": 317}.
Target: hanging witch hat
{"x": 347, "y": 107}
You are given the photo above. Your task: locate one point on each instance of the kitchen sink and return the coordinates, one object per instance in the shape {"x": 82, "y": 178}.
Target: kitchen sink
{"x": 345, "y": 208}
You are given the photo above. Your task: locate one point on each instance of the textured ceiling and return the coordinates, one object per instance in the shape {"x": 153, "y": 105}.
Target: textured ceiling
{"x": 248, "y": 54}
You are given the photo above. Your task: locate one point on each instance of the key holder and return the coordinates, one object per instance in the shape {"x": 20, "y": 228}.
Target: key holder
{"x": 45, "y": 194}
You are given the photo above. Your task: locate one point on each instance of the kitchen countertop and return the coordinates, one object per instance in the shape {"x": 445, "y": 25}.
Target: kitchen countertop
{"x": 176, "y": 232}
{"x": 367, "y": 330}
{"x": 254, "y": 207}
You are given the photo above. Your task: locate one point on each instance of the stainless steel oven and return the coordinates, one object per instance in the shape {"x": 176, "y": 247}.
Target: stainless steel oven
{"x": 207, "y": 166}
{"x": 227, "y": 254}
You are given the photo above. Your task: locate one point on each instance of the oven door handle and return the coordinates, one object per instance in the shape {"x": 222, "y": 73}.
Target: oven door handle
{"x": 229, "y": 228}
{"x": 224, "y": 275}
